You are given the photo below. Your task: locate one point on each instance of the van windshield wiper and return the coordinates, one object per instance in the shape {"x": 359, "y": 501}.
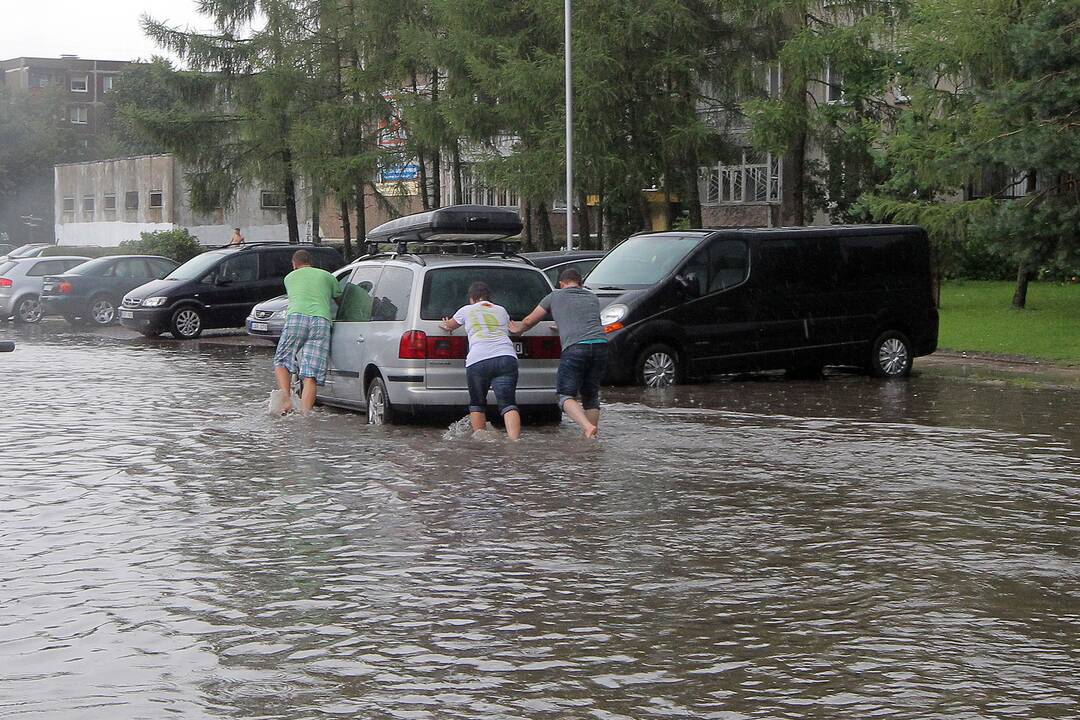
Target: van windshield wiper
{"x": 610, "y": 287}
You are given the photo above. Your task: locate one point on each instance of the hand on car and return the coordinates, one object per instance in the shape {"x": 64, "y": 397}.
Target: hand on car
{"x": 449, "y": 325}
{"x": 516, "y": 328}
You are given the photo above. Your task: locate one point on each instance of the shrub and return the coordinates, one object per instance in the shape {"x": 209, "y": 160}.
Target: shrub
{"x": 177, "y": 244}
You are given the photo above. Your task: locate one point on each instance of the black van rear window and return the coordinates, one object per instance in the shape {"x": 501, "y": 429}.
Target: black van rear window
{"x": 517, "y": 289}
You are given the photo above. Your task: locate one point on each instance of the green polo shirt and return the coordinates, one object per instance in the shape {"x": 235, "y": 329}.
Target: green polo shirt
{"x": 311, "y": 291}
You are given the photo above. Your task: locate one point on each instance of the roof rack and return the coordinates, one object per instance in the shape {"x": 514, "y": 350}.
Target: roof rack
{"x": 475, "y": 225}
{"x": 411, "y": 257}
{"x": 246, "y": 244}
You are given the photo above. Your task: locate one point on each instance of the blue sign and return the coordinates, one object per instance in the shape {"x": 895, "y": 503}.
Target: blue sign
{"x": 401, "y": 173}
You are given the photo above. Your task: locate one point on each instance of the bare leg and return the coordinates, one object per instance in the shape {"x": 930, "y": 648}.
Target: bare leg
{"x": 478, "y": 420}
{"x": 512, "y": 420}
{"x": 283, "y": 378}
{"x": 307, "y": 396}
{"x": 577, "y": 414}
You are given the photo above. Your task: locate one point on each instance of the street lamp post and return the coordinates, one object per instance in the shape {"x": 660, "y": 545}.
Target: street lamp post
{"x": 569, "y": 135}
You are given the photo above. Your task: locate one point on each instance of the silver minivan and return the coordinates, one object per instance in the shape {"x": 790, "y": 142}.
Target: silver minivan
{"x": 391, "y": 358}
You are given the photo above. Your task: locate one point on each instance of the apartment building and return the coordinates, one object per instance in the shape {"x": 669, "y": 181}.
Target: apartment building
{"x": 83, "y": 82}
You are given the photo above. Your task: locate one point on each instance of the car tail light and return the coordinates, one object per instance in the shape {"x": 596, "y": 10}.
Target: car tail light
{"x": 5, "y": 282}
{"x": 450, "y": 347}
{"x": 413, "y": 345}
{"x": 541, "y": 348}
{"x": 63, "y": 287}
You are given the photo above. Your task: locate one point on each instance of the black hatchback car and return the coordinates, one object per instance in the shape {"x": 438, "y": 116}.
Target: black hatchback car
{"x": 216, "y": 289}
{"x": 93, "y": 291}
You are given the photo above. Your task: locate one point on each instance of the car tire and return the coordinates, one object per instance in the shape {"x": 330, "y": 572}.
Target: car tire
{"x": 103, "y": 310}
{"x": 28, "y": 310}
{"x": 891, "y": 355}
{"x": 658, "y": 366}
{"x": 379, "y": 409}
{"x": 186, "y": 323}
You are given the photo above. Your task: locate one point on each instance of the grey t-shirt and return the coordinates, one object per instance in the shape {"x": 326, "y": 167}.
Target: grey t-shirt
{"x": 577, "y": 313}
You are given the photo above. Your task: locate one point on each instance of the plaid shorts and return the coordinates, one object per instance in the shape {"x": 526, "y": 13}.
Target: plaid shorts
{"x": 304, "y": 347}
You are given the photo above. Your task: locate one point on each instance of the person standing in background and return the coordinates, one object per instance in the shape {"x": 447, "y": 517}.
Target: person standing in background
{"x": 237, "y": 238}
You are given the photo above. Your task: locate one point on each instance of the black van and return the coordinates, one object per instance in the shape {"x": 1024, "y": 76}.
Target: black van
{"x": 216, "y": 289}
{"x": 698, "y": 302}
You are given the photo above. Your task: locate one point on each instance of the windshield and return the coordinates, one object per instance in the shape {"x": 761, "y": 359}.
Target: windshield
{"x": 446, "y": 290}
{"x": 92, "y": 267}
{"x": 197, "y": 266}
{"x": 24, "y": 250}
{"x": 642, "y": 260}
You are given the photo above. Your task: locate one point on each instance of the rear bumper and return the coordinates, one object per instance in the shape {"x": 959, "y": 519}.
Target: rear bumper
{"x": 419, "y": 397}
{"x": 145, "y": 320}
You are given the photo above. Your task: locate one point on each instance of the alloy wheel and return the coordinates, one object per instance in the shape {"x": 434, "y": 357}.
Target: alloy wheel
{"x": 103, "y": 311}
{"x": 30, "y": 310}
{"x": 893, "y": 357}
{"x": 658, "y": 370}
{"x": 376, "y": 407}
{"x": 188, "y": 323}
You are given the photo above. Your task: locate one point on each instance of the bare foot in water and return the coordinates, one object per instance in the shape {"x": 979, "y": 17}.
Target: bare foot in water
{"x": 286, "y": 407}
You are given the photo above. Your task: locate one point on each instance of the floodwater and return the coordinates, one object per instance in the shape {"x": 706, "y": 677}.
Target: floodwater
{"x": 748, "y": 549}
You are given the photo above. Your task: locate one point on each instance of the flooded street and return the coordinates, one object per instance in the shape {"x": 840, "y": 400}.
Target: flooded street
{"x": 770, "y": 548}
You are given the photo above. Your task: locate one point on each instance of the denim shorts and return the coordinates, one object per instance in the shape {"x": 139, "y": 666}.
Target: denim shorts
{"x": 581, "y": 369}
{"x": 499, "y": 374}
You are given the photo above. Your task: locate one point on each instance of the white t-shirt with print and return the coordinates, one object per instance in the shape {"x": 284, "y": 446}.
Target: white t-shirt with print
{"x": 489, "y": 333}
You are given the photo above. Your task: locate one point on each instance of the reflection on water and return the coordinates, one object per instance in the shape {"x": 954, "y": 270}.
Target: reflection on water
{"x": 845, "y": 549}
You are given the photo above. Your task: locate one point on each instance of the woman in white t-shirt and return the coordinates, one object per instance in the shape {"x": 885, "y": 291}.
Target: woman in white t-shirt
{"x": 491, "y": 363}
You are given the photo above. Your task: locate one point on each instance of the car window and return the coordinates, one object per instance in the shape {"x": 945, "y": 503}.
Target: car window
{"x": 95, "y": 268}
{"x": 582, "y": 266}
{"x": 519, "y": 290}
{"x": 642, "y": 260}
{"x": 275, "y": 264}
{"x": 239, "y": 268}
{"x": 355, "y": 302}
{"x": 197, "y": 266}
{"x": 160, "y": 268}
{"x": 51, "y": 267}
{"x": 729, "y": 261}
{"x": 391, "y": 299}
{"x": 130, "y": 268}
{"x": 325, "y": 258}
{"x": 5, "y": 266}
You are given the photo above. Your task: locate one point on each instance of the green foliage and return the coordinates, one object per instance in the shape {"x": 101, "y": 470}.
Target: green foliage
{"x": 177, "y": 244}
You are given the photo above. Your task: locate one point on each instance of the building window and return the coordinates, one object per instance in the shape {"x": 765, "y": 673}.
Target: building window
{"x": 475, "y": 192}
{"x": 80, "y": 83}
{"x": 88, "y": 205}
{"x": 131, "y": 200}
{"x": 999, "y": 181}
{"x": 834, "y": 84}
{"x": 69, "y": 204}
{"x": 272, "y": 200}
{"x": 79, "y": 115}
{"x": 107, "y": 83}
{"x": 157, "y": 199}
{"x": 110, "y": 202}
{"x": 756, "y": 179}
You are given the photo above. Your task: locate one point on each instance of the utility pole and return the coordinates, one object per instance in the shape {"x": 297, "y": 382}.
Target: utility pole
{"x": 569, "y": 136}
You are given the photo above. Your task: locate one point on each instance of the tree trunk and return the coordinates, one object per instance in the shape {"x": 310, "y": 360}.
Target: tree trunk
{"x": 1023, "y": 277}
{"x": 436, "y": 160}
{"x": 456, "y": 159}
{"x": 546, "y": 238}
{"x": 361, "y": 215}
{"x": 425, "y": 199}
{"x": 290, "y": 199}
{"x": 346, "y": 230}
{"x": 316, "y": 214}
{"x": 583, "y": 225}
{"x": 692, "y": 200}
{"x": 529, "y": 245}
{"x": 601, "y": 241}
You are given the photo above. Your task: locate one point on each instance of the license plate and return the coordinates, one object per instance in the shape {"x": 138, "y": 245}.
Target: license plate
{"x": 519, "y": 348}
{"x": 127, "y": 314}
{"x": 259, "y": 327}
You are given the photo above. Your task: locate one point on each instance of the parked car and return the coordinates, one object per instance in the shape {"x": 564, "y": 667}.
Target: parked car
{"x": 267, "y": 319}
{"x": 26, "y": 251}
{"x": 553, "y": 263}
{"x": 698, "y": 302}
{"x": 20, "y": 284}
{"x": 216, "y": 289}
{"x": 389, "y": 355}
{"x": 93, "y": 291}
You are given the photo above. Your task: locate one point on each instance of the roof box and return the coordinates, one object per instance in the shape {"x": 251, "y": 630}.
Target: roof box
{"x": 452, "y": 224}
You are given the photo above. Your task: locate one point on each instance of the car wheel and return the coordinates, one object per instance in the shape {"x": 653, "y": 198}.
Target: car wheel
{"x": 102, "y": 310}
{"x": 187, "y": 324}
{"x": 29, "y": 310}
{"x": 890, "y": 355}
{"x": 659, "y": 366}
{"x": 379, "y": 409}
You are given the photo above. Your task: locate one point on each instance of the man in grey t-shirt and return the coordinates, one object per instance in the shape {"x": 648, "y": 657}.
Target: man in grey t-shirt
{"x": 584, "y": 348}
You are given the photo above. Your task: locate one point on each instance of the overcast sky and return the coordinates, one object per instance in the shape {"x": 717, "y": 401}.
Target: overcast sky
{"x": 98, "y": 30}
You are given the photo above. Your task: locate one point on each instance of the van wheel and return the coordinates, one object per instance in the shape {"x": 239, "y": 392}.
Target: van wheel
{"x": 890, "y": 355}
{"x": 659, "y": 366}
{"x": 187, "y": 324}
{"x": 379, "y": 409}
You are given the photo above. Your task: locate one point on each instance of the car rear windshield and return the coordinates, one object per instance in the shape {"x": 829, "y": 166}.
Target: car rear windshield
{"x": 5, "y": 266}
{"x": 519, "y": 290}
{"x": 642, "y": 260}
{"x": 197, "y": 266}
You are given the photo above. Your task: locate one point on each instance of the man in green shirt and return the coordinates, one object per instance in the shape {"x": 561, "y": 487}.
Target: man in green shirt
{"x": 304, "y": 347}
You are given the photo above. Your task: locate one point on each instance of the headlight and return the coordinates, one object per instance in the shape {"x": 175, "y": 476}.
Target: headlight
{"x": 156, "y": 301}
{"x": 613, "y": 314}
{"x": 279, "y": 315}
